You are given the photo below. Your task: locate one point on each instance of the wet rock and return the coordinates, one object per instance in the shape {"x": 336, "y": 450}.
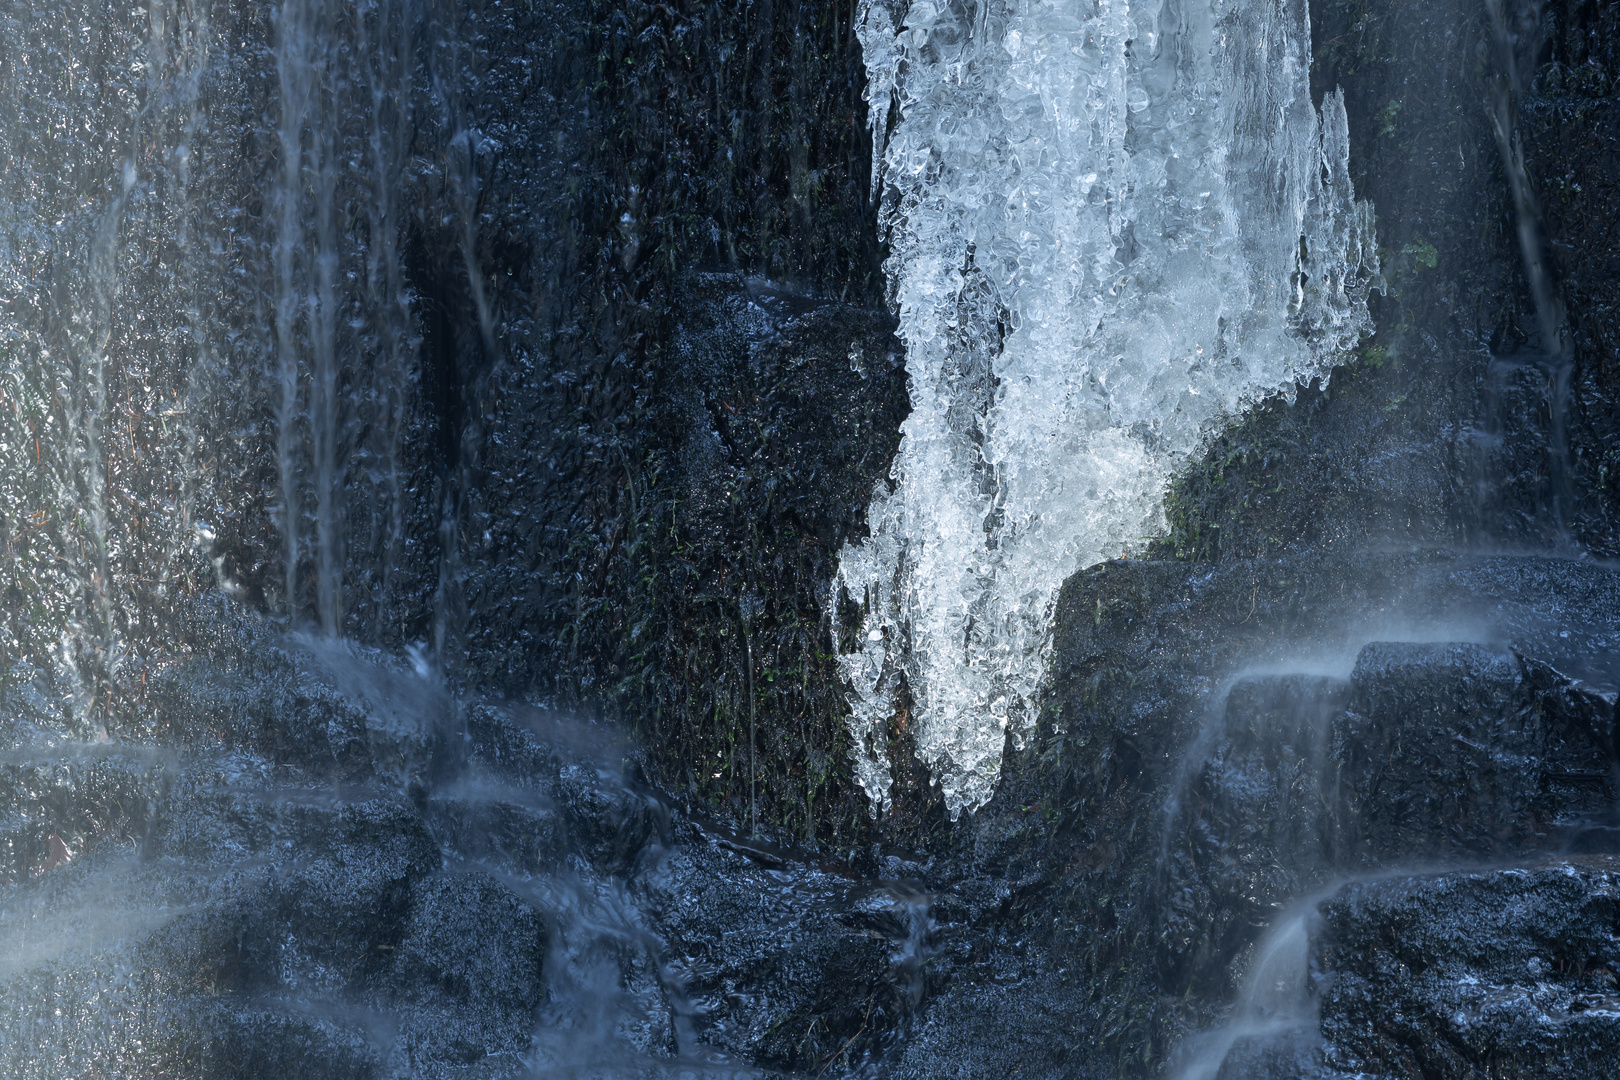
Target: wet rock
{"x": 1292, "y": 1055}
{"x": 992, "y": 1030}
{"x": 1428, "y": 752}
{"x": 59, "y": 801}
{"x": 763, "y": 415}
{"x": 504, "y": 826}
{"x": 568, "y": 785}
{"x": 790, "y": 966}
{"x": 1508, "y": 971}
{"x": 471, "y": 951}
{"x": 1256, "y": 825}
{"x": 1229, "y": 738}
{"x": 475, "y": 889}
{"x": 243, "y": 1044}
{"x": 1452, "y": 751}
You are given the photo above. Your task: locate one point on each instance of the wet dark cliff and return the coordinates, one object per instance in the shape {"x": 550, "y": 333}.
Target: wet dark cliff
{"x": 697, "y": 385}
{"x": 576, "y": 793}
{"x": 1235, "y": 732}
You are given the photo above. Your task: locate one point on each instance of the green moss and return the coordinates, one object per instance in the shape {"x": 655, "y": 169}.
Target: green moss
{"x": 1387, "y": 117}
{"x": 1419, "y": 256}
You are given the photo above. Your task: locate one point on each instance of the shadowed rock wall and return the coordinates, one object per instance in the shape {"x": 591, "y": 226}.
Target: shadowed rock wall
{"x": 1218, "y": 745}
{"x": 1448, "y": 426}
{"x": 694, "y": 390}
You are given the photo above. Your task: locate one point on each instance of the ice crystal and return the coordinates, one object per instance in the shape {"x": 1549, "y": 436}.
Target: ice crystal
{"x": 1113, "y": 227}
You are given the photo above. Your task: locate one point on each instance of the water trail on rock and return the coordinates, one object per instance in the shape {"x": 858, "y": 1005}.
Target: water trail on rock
{"x": 84, "y": 490}
{"x": 194, "y": 398}
{"x": 344, "y": 343}
{"x": 1517, "y": 34}
{"x": 295, "y": 70}
{"x": 1113, "y": 227}
{"x": 1276, "y": 998}
{"x": 388, "y": 77}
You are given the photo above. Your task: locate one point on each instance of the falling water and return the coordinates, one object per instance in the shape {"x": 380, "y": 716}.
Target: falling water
{"x": 268, "y": 197}
{"x": 1276, "y": 999}
{"x": 1516, "y": 31}
{"x": 345, "y": 344}
{"x": 1114, "y": 226}
{"x": 296, "y": 84}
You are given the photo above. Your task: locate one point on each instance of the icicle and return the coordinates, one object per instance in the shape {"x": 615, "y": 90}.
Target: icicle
{"x": 1113, "y": 227}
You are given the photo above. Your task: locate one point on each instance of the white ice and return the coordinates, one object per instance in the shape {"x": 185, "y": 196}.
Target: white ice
{"x": 1114, "y": 226}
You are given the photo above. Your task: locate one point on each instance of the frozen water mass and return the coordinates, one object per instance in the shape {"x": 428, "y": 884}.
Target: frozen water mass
{"x": 1113, "y": 226}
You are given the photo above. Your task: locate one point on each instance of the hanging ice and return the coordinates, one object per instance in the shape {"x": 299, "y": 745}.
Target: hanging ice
{"x": 1113, "y": 226}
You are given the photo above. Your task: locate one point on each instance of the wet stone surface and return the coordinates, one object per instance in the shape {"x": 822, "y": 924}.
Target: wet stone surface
{"x": 1508, "y": 972}
{"x": 1233, "y": 740}
{"x": 362, "y": 875}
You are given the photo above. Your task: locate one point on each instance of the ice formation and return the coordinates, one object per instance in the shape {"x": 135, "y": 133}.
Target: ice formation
{"x": 1113, "y": 226}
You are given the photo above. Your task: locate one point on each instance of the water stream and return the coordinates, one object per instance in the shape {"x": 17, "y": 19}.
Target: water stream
{"x": 1518, "y": 38}
{"x": 1275, "y": 1002}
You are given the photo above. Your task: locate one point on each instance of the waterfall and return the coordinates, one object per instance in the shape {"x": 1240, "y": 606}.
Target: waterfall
{"x": 1113, "y": 227}
{"x": 209, "y": 333}
{"x": 345, "y": 342}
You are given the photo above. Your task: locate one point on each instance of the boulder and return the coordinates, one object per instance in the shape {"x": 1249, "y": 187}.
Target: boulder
{"x": 1504, "y": 972}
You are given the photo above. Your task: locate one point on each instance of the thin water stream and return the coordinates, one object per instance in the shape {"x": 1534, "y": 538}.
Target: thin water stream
{"x": 1518, "y": 38}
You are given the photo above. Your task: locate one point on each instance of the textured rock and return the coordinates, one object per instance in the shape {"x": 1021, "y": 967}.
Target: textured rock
{"x": 1503, "y": 972}
{"x": 1226, "y": 740}
{"x": 791, "y": 966}
{"x": 367, "y": 876}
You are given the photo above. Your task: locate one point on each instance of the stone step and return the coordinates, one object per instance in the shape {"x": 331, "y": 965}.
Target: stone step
{"x": 1504, "y": 972}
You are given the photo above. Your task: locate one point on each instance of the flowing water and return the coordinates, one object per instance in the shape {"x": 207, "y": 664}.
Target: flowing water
{"x": 153, "y": 154}
{"x": 1271, "y": 812}
{"x": 1276, "y": 999}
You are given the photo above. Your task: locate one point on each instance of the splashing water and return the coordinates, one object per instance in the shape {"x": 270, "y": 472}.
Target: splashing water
{"x": 1113, "y": 227}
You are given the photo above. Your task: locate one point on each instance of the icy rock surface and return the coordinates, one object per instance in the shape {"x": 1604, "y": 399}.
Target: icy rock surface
{"x": 1113, "y": 226}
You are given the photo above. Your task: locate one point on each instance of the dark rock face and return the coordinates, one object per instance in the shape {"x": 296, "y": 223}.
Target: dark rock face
{"x": 470, "y": 944}
{"x": 693, "y": 389}
{"x": 791, "y": 966}
{"x": 1459, "y": 753}
{"x": 1223, "y": 746}
{"x": 1570, "y": 115}
{"x": 1506, "y": 972}
{"x": 758, "y": 433}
